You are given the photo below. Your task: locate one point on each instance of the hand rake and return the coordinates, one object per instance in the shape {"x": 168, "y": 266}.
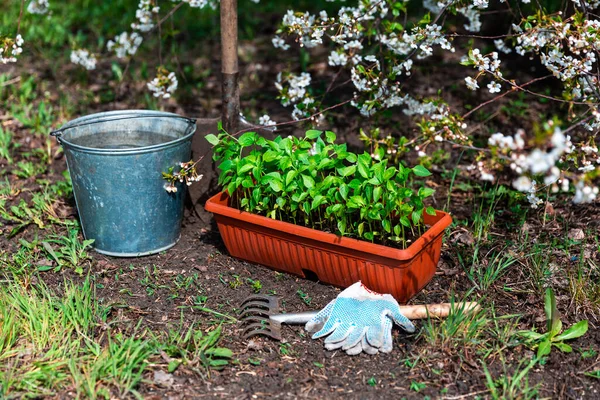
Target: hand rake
{"x": 261, "y": 316}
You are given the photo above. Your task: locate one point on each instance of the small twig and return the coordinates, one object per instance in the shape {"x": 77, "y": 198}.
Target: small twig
{"x": 11, "y": 81}
{"x": 20, "y": 16}
{"x": 464, "y": 396}
{"x": 504, "y": 94}
{"x": 292, "y": 122}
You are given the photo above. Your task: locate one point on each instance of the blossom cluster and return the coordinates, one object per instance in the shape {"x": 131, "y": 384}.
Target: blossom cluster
{"x": 379, "y": 52}
{"x": 125, "y": 44}
{"x": 38, "y": 7}
{"x": 84, "y": 58}
{"x": 145, "y": 15}
{"x": 164, "y": 84}
{"x": 10, "y": 48}
{"x": 187, "y": 174}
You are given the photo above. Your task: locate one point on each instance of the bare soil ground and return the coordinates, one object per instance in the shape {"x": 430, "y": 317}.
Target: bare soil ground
{"x": 161, "y": 290}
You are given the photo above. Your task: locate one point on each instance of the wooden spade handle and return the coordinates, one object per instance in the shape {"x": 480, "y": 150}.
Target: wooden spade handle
{"x": 437, "y": 310}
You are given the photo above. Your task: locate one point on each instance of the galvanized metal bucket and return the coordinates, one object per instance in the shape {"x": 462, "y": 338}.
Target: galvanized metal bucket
{"x": 116, "y": 160}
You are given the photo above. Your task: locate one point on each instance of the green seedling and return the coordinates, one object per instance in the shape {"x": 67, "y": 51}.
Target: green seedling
{"x": 236, "y": 282}
{"x": 513, "y": 385}
{"x": 553, "y": 337}
{"x": 372, "y": 381}
{"x": 305, "y": 297}
{"x": 6, "y": 142}
{"x": 70, "y": 251}
{"x": 417, "y": 386}
{"x": 314, "y": 182}
{"x": 588, "y": 353}
{"x": 594, "y": 374}
{"x": 255, "y": 284}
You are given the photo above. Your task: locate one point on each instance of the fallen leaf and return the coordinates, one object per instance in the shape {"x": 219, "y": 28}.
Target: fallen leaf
{"x": 163, "y": 379}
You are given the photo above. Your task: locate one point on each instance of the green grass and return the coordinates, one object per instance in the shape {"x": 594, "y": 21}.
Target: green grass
{"x": 53, "y": 341}
{"x": 512, "y": 383}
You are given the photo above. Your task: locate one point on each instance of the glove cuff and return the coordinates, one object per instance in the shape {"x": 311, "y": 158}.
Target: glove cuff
{"x": 360, "y": 292}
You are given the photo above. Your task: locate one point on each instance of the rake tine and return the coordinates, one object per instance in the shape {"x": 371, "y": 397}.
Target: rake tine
{"x": 256, "y": 303}
{"x": 255, "y": 318}
{"x": 258, "y": 329}
{"x": 254, "y": 311}
{"x": 264, "y": 298}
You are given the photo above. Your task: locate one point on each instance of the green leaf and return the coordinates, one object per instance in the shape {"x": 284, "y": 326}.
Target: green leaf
{"x": 420, "y": 170}
{"x": 308, "y": 181}
{"x": 356, "y": 202}
{"x": 363, "y": 170}
{"x": 221, "y": 352}
{"x": 247, "y": 139}
{"x": 361, "y": 229}
{"x": 577, "y": 330}
{"x": 354, "y": 184}
{"x": 416, "y": 216}
{"x": 330, "y": 137}
{"x": 544, "y": 348}
{"x": 336, "y": 207}
{"x": 387, "y": 225}
{"x": 172, "y": 366}
{"x": 290, "y": 176}
{"x": 226, "y": 165}
{"x": 377, "y": 194}
{"x": 270, "y": 155}
{"x": 212, "y": 139}
{"x": 313, "y": 133}
{"x": 404, "y": 221}
{"x": 341, "y": 225}
{"x": 276, "y": 185}
{"x": 231, "y": 188}
{"x": 431, "y": 211}
{"x": 530, "y": 335}
{"x": 317, "y": 201}
{"x": 347, "y": 171}
{"x": 344, "y": 190}
{"x": 351, "y": 157}
{"x": 426, "y": 192}
{"x": 554, "y": 323}
{"x": 389, "y": 173}
{"x": 565, "y": 348}
{"x": 245, "y": 168}
{"x": 218, "y": 364}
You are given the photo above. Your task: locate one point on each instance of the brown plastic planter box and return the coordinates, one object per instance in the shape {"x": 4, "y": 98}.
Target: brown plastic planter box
{"x": 336, "y": 260}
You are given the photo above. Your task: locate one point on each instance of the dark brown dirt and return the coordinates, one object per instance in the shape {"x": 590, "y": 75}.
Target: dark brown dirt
{"x": 301, "y": 367}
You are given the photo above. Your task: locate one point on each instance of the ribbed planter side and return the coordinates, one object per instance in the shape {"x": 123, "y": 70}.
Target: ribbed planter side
{"x": 335, "y": 260}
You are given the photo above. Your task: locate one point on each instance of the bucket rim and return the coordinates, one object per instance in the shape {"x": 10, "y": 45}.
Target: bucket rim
{"x": 117, "y": 115}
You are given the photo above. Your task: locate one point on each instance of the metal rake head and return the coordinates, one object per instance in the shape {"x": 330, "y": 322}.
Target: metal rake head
{"x": 255, "y": 317}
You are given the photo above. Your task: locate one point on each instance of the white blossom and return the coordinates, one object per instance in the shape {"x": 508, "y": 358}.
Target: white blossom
{"x": 38, "y": 7}
{"x": 164, "y": 84}
{"x": 522, "y": 184}
{"x": 265, "y": 120}
{"x": 84, "y": 58}
{"x": 494, "y": 87}
{"x": 125, "y": 44}
{"x": 279, "y": 43}
{"x": 471, "y": 83}
{"x": 584, "y": 193}
{"x": 10, "y": 49}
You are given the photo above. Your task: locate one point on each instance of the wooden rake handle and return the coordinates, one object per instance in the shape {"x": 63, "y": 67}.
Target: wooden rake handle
{"x": 437, "y": 310}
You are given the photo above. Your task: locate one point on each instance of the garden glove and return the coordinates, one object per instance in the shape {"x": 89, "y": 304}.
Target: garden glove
{"x": 359, "y": 320}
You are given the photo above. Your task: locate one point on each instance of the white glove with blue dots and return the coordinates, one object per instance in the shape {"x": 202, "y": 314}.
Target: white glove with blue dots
{"x": 359, "y": 320}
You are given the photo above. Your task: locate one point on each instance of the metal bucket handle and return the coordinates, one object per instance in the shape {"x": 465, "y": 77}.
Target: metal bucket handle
{"x": 122, "y": 116}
